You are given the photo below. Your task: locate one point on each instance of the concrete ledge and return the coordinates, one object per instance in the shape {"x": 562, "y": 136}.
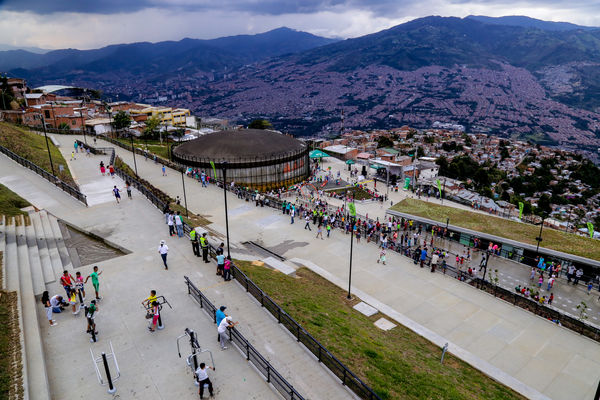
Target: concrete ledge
{"x": 280, "y": 266}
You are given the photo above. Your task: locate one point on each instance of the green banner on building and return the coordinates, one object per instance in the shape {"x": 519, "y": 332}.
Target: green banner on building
{"x": 521, "y": 206}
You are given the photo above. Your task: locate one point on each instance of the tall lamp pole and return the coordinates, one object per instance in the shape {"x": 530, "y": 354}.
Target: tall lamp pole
{"x": 83, "y": 125}
{"x": 47, "y": 145}
{"x": 184, "y": 196}
{"x": 224, "y": 165}
{"x": 352, "y": 211}
{"x": 539, "y": 238}
{"x": 135, "y": 163}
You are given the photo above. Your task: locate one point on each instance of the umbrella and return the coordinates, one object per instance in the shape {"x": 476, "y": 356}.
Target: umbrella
{"x": 350, "y": 162}
{"x": 318, "y": 154}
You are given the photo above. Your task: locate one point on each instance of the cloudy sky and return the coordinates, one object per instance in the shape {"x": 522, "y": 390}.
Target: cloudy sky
{"x": 88, "y": 24}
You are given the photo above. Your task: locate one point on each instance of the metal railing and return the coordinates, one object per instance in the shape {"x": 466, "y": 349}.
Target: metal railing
{"x": 72, "y": 191}
{"x": 260, "y": 363}
{"x": 347, "y": 377}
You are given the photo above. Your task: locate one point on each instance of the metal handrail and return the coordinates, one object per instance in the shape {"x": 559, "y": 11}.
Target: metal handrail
{"x": 72, "y": 191}
{"x": 265, "y": 367}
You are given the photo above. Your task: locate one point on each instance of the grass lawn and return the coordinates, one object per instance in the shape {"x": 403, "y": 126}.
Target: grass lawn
{"x": 153, "y": 146}
{"x": 11, "y": 372}
{"x": 359, "y": 193}
{"x": 32, "y": 146}
{"x": 11, "y": 203}
{"x": 397, "y": 364}
{"x": 526, "y": 233}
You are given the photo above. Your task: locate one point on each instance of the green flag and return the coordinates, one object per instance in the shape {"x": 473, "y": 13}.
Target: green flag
{"x": 352, "y": 209}
{"x": 439, "y": 184}
{"x": 590, "y": 227}
{"x": 521, "y": 206}
{"x": 212, "y": 164}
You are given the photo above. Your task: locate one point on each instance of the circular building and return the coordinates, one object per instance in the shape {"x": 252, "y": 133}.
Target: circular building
{"x": 260, "y": 159}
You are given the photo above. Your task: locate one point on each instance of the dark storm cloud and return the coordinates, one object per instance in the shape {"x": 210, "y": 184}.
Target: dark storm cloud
{"x": 262, "y": 7}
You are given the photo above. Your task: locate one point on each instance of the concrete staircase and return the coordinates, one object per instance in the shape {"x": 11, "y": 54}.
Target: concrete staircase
{"x": 34, "y": 256}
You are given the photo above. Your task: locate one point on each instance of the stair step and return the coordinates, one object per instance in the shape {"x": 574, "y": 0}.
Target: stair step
{"x": 47, "y": 270}
{"x": 11, "y": 269}
{"x": 37, "y": 275}
{"x": 34, "y": 366}
{"x": 57, "y": 265}
{"x": 3, "y": 249}
{"x": 17, "y": 245}
{"x": 62, "y": 248}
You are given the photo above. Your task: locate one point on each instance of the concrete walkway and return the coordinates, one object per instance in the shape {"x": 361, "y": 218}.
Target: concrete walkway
{"x": 148, "y": 361}
{"x": 518, "y": 348}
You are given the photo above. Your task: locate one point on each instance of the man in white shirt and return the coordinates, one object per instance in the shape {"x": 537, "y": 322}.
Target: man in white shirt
{"x": 202, "y": 377}
{"x": 227, "y": 322}
{"x": 163, "y": 249}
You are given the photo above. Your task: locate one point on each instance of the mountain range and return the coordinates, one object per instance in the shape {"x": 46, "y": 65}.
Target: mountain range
{"x": 511, "y": 76}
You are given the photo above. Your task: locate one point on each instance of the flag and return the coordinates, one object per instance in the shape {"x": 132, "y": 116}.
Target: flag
{"x": 590, "y": 227}
{"x": 439, "y": 184}
{"x": 352, "y": 209}
{"x": 521, "y": 206}
{"x": 212, "y": 164}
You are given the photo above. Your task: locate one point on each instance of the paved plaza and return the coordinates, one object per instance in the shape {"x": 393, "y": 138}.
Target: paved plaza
{"x": 532, "y": 355}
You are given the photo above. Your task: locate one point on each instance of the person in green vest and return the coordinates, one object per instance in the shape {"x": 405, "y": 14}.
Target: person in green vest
{"x": 204, "y": 246}
{"x": 194, "y": 240}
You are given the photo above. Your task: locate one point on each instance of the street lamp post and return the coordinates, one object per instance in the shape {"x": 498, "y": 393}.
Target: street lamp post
{"x": 352, "y": 218}
{"x": 135, "y": 163}
{"x": 47, "y": 145}
{"x": 539, "y": 238}
{"x": 184, "y": 196}
{"x": 224, "y": 165}
{"x": 83, "y": 125}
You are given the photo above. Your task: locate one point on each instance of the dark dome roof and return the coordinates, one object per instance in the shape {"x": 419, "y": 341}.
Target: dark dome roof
{"x": 245, "y": 143}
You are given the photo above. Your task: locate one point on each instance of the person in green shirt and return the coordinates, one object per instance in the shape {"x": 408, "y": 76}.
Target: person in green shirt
{"x": 91, "y": 314}
{"x": 95, "y": 282}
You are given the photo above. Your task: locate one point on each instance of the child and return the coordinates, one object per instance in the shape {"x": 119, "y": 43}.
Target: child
{"x": 73, "y": 156}
{"x": 111, "y": 170}
{"x": 94, "y": 275}
{"x": 532, "y": 275}
{"x": 550, "y": 298}
{"x": 220, "y": 264}
{"x": 444, "y": 266}
{"x": 79, "y": 285}
{"x": 590, "y": 287}
{"x": 73, "y": 302}
{"x": 155, "y": 315}
{"x": 164, "y": 170}
{"x": 540, "y": 281}
{"x": 381, "y": 257}
{"x": 91, "y": 314}
{"x": 128, "y": 187}
{"x": 227, "y": 269}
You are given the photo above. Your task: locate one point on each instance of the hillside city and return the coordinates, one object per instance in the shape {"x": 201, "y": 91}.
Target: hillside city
{"x": 478, "y": 169}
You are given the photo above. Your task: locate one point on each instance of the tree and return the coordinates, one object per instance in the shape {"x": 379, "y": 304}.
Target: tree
{"x": 151, "y": 131}
{"x": 121, "y": 120}
{"x": 420, "y": 152}
{"x": 260, "y": 124}
{"x": 6, "y": 95}
{"x": 544, "y": 206}
{"x": 64, "y": 126}
{"x": 384, "y": 141}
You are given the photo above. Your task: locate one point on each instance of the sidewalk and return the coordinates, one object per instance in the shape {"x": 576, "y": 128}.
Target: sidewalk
{"x": 138, "y": 226}
{"x": 502, "y": 340}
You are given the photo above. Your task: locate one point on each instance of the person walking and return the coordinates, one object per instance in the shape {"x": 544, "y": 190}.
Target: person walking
{"x": 226, "y": 323}
{"x": 95, "y": 281}
{"x": 319, "y": 232}
{"x": 91, "y": 315}
{"x": 203, "y": 379}
{"x": 179, "y": 224}
{"x": 292, "y": 214}
{"x": 423, "y": 256}
{"x": 307, "y": 219}
{"x": 163, "y": 250}
{"x": 111, "y": 170}
{"x": 102, "y": 168}
{"x": 195, "y": 244}
{"x": 128, "y": 187}
{"x": 328, "y": 228}
{"x": 578, "y": 276}
{"x": 381, "y": 257}
{"x": 76, "y": 146}
{"x": 551, "y": 282}
{"x": 204, "y": 246}
{"x": 164, "y": 171}
{"x": 117, "y": 193}
{"x": 171, "y": 223}
{"x": 48, "y": 308}
{"x": 590, "y": 286}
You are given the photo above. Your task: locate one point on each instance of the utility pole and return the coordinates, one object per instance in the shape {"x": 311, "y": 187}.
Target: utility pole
{"x": 47, "y": 145}
{"x": 539, "y": 238}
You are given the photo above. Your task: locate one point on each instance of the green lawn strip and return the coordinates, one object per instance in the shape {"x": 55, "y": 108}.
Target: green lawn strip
{"x": 153, "y": 146}
{"x": 397, "y": 364}
{"x": 11, "y": 372}
{"x": 32, "y": 146}
{"x": 11, "y": 203}
{"x": 359, "y": 193}
{"x": 521, "y": 232}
